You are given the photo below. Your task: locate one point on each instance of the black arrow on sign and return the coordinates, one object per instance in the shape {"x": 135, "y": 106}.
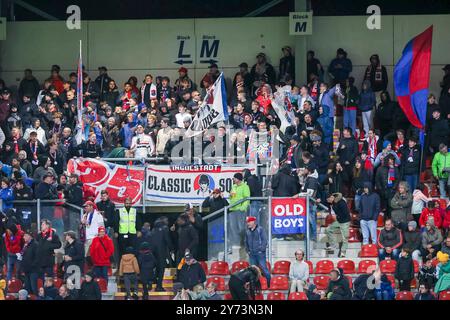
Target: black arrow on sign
{"x": 181, "y": 61}
{"x": 210, "y": 61}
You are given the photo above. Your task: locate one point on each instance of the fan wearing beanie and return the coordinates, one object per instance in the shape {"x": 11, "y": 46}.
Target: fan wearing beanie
{"x": 387, "y": 150}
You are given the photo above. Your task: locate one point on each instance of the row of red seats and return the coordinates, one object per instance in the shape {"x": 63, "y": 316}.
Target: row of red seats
{"x": 14, "y": 285}
{"x": 221, "y": 268}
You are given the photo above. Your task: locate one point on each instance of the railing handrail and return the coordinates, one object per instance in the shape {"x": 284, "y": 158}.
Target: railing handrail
{"x": 64, "y": 201}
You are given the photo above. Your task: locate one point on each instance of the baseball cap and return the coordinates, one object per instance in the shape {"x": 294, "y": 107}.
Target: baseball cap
{"x": 250, "y": 219}
{"x": 216, "y": 190}
{"x": 88, "y": 203}
{"x": 261, "y": 54}
{"x": 100, "y": 229}
{"x": 188, "y": 257}
{"x": 102, "y": 68}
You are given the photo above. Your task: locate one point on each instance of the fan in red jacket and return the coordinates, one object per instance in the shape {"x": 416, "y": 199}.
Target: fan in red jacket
{"x": 430, "y": 211}
{"x": 102, "y": 248}
{"x": 446, "y": 218}
{"x": 13, "y": 243}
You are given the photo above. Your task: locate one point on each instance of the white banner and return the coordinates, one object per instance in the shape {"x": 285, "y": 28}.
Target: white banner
{"x": 212, "y": 110}
{"x": 189, "y": 183}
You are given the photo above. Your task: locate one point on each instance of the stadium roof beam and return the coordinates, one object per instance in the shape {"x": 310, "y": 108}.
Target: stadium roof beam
{"x": 263, "y": 8}
{"x": 33, "y": 9}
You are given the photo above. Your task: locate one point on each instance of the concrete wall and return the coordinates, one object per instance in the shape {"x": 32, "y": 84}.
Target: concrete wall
{"x": 138, "y": 47}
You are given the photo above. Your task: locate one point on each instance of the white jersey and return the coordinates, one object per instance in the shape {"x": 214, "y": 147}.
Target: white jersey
{"x": 143, "y": 145}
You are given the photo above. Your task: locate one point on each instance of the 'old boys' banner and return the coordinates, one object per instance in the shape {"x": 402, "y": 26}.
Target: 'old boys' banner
{"x": 289, "y": 216}
{"x": 188, "y": 183}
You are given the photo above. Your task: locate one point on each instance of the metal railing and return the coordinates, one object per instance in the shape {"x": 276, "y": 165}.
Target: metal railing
{"x": 225, "y": 211}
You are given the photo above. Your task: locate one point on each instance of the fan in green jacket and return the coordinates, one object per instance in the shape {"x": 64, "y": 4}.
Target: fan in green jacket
{"x": 239, "y": 190}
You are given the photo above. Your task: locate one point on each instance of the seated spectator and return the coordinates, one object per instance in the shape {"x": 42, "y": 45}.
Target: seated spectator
{"x": 73, "y": 253}
{"x": 6, "y": 195}
{"x": 50, "y": 292}
{"x": 338, "y": 287}
{"x": 64, "y": 294}
{"x": 440, "y": 160}
{"x": 89, "y": 289}
{"x": 191, "y": 273}
{"x": 298, "y": 273}
{"x": 430, "y": 211}
{"x": 445, "y": 247}
{"x": 431, "y": 240}
{"x": 428, "y": 274}
{"x": 314, "y": 294}
{"x": 23, "y": 294}
{"x": 361, "y": 286}
{"x": 424, "y": 293}
{"x": 385, "y": 290}
{"x": 413, "y": 241}
{"x": 390, "y": 241}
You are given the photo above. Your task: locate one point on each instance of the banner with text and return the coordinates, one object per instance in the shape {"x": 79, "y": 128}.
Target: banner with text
{"x": 289, "y": 216}
{"x": 189, "y": 183}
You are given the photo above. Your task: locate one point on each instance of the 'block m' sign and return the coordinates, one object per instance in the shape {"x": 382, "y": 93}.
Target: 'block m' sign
{"x": 300, "y": 23}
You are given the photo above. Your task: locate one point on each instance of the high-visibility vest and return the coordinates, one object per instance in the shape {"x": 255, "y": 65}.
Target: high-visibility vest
{"x": 127, "y": 223}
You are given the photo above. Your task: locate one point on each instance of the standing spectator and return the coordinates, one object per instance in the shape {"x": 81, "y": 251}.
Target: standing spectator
{"x": 386, "y": 181}
{"x": 215, "y": 201}
{"x": 351, "y": 103}
{"x": 162, "y": 246}
{"x": 283, "y": 183}
{"x": 413, "y": 241}
{"x": 89, "y": 288}
{"x": 255, "y": 187}
{"x": 445, "y": 83}
{"x": 342, "y": 222}
{"x": 313, "y": 67}
{"x": 401, "y": 205}
{"x": 438, "y": 131}
{"x": 148, "y": 90}
{"x": 91, "y": 220}
{"x": 310, "y": 188}
{"x": 129, "y": 269}
{"x": 298, "y": 273}
{"x": 29, "y": 86}
{"x": 287, "y": 64}
{"x": 6, "y": 194}
{"x": 48, "y": 241}
{"x": 91, "y": 148}
{"x": 74, "y": 193}
{"x": 191, "y": 273}
{"x": 369, "y": 210}
{"x": 256, "y": 245}
{"x": 187, "y": 237}
{"x": 147, "y": 266}
{"x": 237, "y": 213}
{"x": 73, "y": 253}
{"x": 377, "y": 75}
{"x": 348, "y": 148}
{"x": 384, "y": 114}
{"x": 410, "y": 163}
{"x": 55, "y": 79}
{"x": 431, "y": 240}
{"x": 107, "y": 209}
{"x": 404, "y": 271}
{"x": 389, "y": 241}
{"x": 441, "y": 160}
{"x": 13, "y": 243}
{"x": 387, "y": 151}
{"x": 102, "y": 81}
{"x": 262, "y": 72}
{"x": 126, "y": 226}
{"x": 367, "y": 103}
{"x": 29, "y": 265}
{"x": 340, "y": 67}
{"x": 102, "y": 249}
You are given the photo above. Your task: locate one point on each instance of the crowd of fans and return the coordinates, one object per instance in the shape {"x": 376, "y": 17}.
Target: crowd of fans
{"x": 377, "y": 161}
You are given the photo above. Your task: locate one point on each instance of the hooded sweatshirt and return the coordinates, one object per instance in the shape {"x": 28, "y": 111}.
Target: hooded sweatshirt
{"x": 367, "y": 100}
{"x": 370, "y": 204}
{"x": 340, "y": 208}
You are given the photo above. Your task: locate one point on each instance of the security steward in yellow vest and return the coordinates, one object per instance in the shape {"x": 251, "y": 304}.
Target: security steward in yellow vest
{"x": 128, "y": 223}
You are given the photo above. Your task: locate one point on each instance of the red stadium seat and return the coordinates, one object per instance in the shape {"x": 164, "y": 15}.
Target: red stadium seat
{"x": 219, "y": 281}
{"x": 263, "y": 282}
{"x": 57, "y": 282}
{"x": 391, "y": 278}
{"x": 32, "y": 297}
{"x": 259, "y": 296}
{"x": 388, "y": 266}
{"x": 347, "y": 265}
{"x": 219, "y": 268}
{"x": 239, "y": 265}
{"x": 14, "y": 285}
{"x": 416, "y": 266}
{"x": 281, "y": 267}
{"x": 110, "y": 272}
{"x": 310, "y": 264}
{"x": 269, "y": 267}
{"x": 204, "y": 266}
{"x": 404, "y": 295}
{"x": 321, "y": 282}
{"x": 10, "y": 297}
{"x": 444, "y": 295}
{"x": 40, "y": 283}
{"x": 442, "y": 203}
{"x": 279, "y": 283}
{"x": 364, "y": 264}
{"x": 414, "y": 283}
{"x": 380, "y": 221}
{"x": 102, "y": 284}
{"x": 324, "y": 266}
{"x": 297, "y": 296}
{"x": 276, "y": 296}
{"x": 227, "y": 296}
{"x": 350, "y": 282}
{"x": 368, "y": 251}
{"x": 354, "y": 235}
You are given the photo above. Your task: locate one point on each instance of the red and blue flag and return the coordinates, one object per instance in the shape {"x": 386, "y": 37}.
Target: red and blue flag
{"x": 412, "y": 78}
